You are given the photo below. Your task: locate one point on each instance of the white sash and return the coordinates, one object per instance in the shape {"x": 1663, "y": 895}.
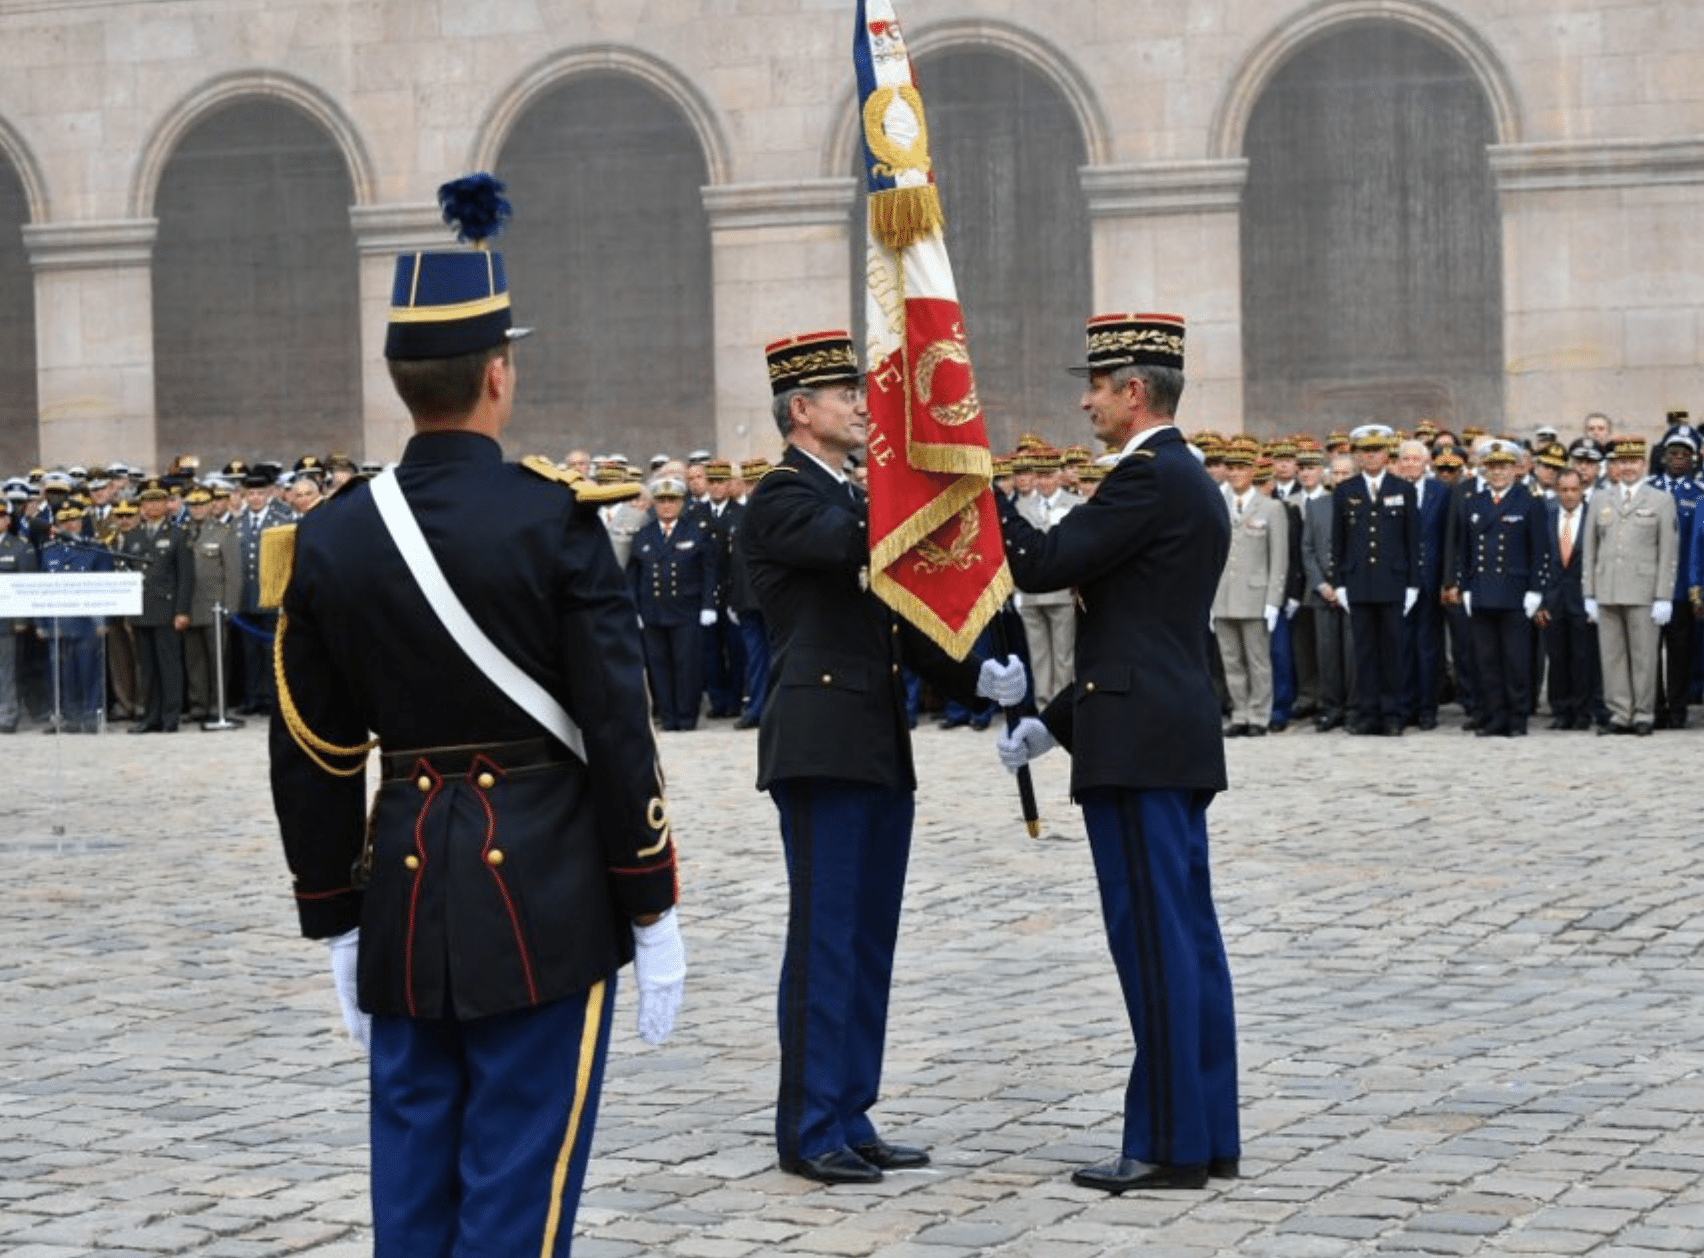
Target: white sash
{"x": 499, "y": 669}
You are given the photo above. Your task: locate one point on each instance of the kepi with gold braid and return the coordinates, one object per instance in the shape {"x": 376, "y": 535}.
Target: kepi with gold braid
{"x": 1132, "y": 340}
{"x": 812, "y": 360}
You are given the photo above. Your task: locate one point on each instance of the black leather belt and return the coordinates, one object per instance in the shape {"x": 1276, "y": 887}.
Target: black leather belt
{"x": 458, "y": 761}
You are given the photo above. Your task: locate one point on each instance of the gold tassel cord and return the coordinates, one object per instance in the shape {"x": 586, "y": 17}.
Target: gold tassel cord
{"x": 310, "y": 743}
{"x": 901, "y": 217}
{"x": 277, "y": 560}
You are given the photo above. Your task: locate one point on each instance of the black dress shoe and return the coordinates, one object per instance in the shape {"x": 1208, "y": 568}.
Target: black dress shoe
{"x": 1518, "y": 731}
{"x": 1427, "y": 722}
{"x": 1642, "y": 728}
{"x": 1559, "y": 722}
{"x": 1393, "y": 728}
{"x": 954, "y": 722}
{"x": 891, "y": 1157}
{"x": 1118, "y": 1175}
{"x": 1224, "y": 1168}
{"x": 1362, "y": 728}
{"x": 1235, "y": 731}
{"x": 144, "y": 729}
{"x": 746, "y": 722}
{"x": 837, "y": 1166}
{"x": 1326, "y": 724}
{"x": 1255, "y": 731}
{"x": 1277, "y": 727}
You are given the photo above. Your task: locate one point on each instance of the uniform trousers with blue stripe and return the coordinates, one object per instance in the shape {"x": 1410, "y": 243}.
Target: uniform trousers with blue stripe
{"x": 847, "y": 846}
{"x": 481, "y": 1130}
{"x": 1150, "y": 853}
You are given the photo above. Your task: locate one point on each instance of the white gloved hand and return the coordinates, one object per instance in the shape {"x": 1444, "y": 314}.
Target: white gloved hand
{"x": 1022, "y": 743}
{"x": 1531, "y": 601}
{"x": 1467, "y": 602}
{"x": 1410, "y": 596}
{"x": 1271, "y": 614}
{"x": 345, "y": 951}
{"x": 733, "y": 617}
{"x": 1591, "y": 610}
{"x": 1004, "y": 682}
{"x": 1662, "y": 611}
{"x": 1343, "y": 599}
{"x": 659, "y": 968}
{"x": 707, "y": 618}
{"x": 1291, "y": 607}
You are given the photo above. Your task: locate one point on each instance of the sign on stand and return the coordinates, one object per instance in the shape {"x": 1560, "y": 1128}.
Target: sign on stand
{"x": 54, "y": 594}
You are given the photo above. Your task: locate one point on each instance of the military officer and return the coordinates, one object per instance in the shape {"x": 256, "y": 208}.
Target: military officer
{"x": 217, "y": 559}
{"x": 1502, "y": 578}
{"x": 746, "y": 611}
{"x": 674, "y": 572}
{"x": 1050, "y": 618}
{"x": 74, "y": 641}
{"x": 1632, "y": 552}
{"x": 16, "y": 556}
{"x": 724, "y": 654}
{"x": 834, "y": 753}
{"x": 1250, "y": 594}
{"x": 157, "y": 547}
{"x": 1678, "y": 479}
{"x": 1333, "y": 651}
{"x": 621, "y": 520}
{"x": 1147, "y": 757}
{"x": 519, "y": 852}
{"x": 252, "y": 635}
{"x": 1375, "y": 566}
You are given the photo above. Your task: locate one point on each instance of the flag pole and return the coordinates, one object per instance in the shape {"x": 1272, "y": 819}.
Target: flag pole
{"x": 1014, "y": 714}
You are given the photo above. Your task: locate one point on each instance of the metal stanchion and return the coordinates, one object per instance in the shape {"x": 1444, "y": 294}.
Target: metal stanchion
{"x": 220, "y": 720}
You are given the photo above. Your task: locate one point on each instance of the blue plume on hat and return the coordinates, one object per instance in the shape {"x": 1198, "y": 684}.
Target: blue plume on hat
{"x": 475, "y": 206}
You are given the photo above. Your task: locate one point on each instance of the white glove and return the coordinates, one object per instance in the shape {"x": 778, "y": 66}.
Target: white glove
{"x": 1591, "y": 610}
{"x": 1271, "y": 614}
{"x": 345, "y": 950}
{"x": 1022, "y": 743}
{"x": 659, "y": 967}
{"x": 707, "y": 618}
{"x": 1291, "y": 607}
{"x": 733, "y": 617}
{"x": 1662, "y": 611}
{"x": 1343, "y": 599}
{"x": 1531, "y": 601}
{"x": 1467, "y": 602}
{"x": 1004, "y": 682}
{"x": 1410, "y": 596}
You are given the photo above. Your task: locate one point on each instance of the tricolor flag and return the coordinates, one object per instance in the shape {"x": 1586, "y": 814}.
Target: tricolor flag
{"x": 935, "y": 551}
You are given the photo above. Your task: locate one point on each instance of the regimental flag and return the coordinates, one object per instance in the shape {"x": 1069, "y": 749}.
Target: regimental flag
{"x": 935, "y": 551}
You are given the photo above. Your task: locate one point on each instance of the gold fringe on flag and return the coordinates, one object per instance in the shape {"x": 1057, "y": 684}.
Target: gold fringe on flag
{"x": 900, "y": 217}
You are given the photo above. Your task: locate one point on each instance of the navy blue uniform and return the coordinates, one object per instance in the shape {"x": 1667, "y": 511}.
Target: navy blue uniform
{"x": 1375, "y": 552}
{"x": 496, "y": 877}
{"x": 1425, "y": 625}
{"x": 74, "y": 642}
{"x": 724, "y": 650}
{"x": 1570, "y": 639}
{"x": 834, "y": 753}
{"x": 1506, "y": 556}
{"x": 1674, "y": 688}
{"x": 674, "y": 572}
{"x": 1142, "y": 724}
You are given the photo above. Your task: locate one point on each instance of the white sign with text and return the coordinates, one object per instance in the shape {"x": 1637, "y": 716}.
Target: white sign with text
{"x": 70, "y": 594}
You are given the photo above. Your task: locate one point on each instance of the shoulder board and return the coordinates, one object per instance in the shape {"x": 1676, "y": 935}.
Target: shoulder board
{"x": 1143, "y": 453}
{"x": 586, "y": 491}
{"x": 277, "y": 562}
{"x": 780, "y": 467}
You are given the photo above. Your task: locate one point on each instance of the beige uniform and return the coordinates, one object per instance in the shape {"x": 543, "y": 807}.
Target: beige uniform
{"x": 1050, "y": 620}
{"x": 1631, "y": 549}
{"x": 1252, "y": 581}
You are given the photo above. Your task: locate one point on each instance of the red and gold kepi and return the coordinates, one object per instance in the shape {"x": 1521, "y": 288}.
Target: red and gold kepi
{"x": 1133, "y": 340}
{"x": 811, "y": 361}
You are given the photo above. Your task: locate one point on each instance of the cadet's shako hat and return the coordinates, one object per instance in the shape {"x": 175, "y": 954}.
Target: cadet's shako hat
{"x": 445, "y": 304}
{"x": 816, "y": 358}
{"x": 1628, "y": 448}
{"x": 1132, "y": 340}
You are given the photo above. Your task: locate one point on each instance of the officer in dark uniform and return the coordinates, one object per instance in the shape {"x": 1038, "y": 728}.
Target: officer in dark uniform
{"x": 158, "y": 548}
{"x": 724, "y": 653}
{"x": 1678, "y": 479}
{"x": 1147, "y": 757}
{"x": 16, "y": 556}
{"x": 745, "y": 610}
{"x": 504, "y": 874}
{"x": 74, "y": 642}
{"x": 252, "y": 629}
{"x": 835, "y": 755}
{"x": 1375, "y": 552}
{"x": 674, "y": 572}
{"x": 1503, "y": 574}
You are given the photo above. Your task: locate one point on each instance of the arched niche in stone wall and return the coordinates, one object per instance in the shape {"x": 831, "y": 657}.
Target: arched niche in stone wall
{"x": 1008, "y": 145}
{"x": 608, "y": 258}
{"x": 1371, "y": 235}
{"x": 256, "y": 301}
{"x": 19, "y": 439}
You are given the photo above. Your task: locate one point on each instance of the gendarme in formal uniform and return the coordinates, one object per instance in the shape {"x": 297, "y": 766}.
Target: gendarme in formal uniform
{"x": 1141, "y": 723}
{"x": 519, "y": 851}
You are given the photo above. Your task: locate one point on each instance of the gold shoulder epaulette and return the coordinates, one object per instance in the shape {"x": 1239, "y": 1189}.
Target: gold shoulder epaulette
{"x": 585, "y": 490}
{"x": 1143, "y": 454}
{"x": 277, "y": 561}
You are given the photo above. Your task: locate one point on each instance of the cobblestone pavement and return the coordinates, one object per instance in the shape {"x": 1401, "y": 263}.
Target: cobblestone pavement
{"x": 1468, "y": 980}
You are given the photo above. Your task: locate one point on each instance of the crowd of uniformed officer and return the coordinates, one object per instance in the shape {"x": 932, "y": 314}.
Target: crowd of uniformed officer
{"x": 1373, "y": 576}
{"x": 196, "y": 539}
